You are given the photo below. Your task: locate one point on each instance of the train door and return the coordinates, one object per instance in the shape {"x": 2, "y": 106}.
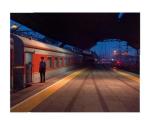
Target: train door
{"x": 28, "y": 67}
{"x": 12, "y": 64}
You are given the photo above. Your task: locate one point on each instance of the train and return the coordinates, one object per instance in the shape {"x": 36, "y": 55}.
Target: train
{"x": 129, "y": 63}
{"x": 25, "y": 56}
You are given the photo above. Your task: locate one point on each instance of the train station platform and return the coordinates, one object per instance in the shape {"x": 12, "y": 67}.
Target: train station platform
{"x": 84, "y": 90}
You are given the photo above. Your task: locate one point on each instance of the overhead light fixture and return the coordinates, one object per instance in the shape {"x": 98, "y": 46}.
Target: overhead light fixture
{"x": 14, "y": 27}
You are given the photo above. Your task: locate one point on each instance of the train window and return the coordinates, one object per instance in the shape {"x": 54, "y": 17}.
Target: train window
{"x": 56, "y": 62}
{"x": 61, "y": 61}
{"x": 49, "y": 62}
{"x": 66, "y": 61}
{"x": 28, "y": 58}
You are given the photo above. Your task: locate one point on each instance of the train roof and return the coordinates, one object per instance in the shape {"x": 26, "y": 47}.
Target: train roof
{"x": 27, "y": 42}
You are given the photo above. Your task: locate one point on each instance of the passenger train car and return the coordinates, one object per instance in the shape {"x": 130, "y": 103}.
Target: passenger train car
{"x": 25, "y": 58}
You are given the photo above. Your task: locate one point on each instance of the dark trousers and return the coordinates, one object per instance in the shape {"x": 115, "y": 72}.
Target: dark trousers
{"x": 42, "y": 76}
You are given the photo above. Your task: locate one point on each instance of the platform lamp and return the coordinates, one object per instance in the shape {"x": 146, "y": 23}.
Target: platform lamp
{"x": 14, "y": 27}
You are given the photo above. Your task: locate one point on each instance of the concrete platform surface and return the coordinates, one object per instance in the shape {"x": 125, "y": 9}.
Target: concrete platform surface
{"x": 93, "y": 90}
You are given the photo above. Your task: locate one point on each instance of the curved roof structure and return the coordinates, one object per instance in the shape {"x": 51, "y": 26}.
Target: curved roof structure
{"x": 83, "y": 30}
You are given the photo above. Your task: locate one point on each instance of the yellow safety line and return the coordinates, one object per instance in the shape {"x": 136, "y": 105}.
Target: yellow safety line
{"x": 129, "y": 76}
{"x": 31, "y": 102}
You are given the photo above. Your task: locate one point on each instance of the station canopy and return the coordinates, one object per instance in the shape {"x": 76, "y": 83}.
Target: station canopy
{"x": 83, "y": 30}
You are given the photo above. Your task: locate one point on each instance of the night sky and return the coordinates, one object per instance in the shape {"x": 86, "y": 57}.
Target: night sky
{"x": 83, "y": 30}
{"x": 103, "y": 48}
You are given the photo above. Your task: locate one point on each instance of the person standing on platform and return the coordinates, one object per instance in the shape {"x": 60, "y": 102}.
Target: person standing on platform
{"x": 42, "y": 69}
